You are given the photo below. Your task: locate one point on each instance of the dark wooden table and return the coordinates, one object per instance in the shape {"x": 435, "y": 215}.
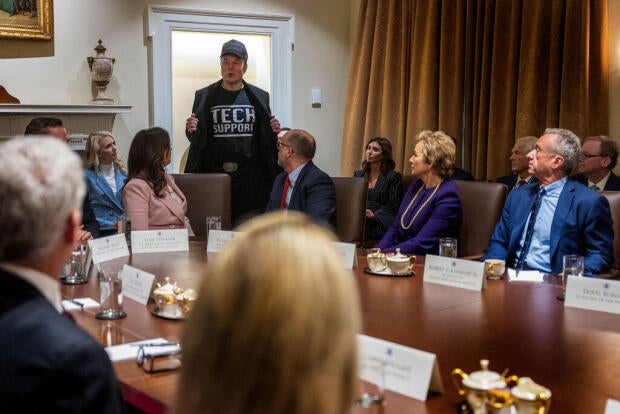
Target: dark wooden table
{"x": 519, "y": 326}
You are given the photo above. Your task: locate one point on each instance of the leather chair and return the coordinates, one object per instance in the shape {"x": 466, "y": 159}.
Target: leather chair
{"x": 207, "y": 195}
{"x": 350, "y": 208}
{"x": 614, "y": 203}
{"x": 482, "y": 208}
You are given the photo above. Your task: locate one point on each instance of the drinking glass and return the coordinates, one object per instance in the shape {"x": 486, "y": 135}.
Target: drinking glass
{"x": 74, "y": 272}
{"x": 573, "y": 266}
{"x": 448, "y": 247}
{"x": 111, "y": 296}
{"x": 213, "y": 223}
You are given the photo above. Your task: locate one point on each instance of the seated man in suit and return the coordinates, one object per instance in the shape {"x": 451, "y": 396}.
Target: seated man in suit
{"x": 519, "y": 164}
{"x": 55, "y": 128}
{"x": 302, "y": 186}
{"x": 48, "y": 363}
{"x": 599, "y": 156}
{"x": 457, "y": 172}
{"x": 541, "y": 222}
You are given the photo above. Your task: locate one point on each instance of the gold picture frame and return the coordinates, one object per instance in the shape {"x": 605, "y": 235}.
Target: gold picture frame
{"x": 27, "y": 19}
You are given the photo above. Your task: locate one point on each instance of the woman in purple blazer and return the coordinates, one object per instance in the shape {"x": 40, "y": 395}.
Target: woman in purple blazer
{"x": 151, "y": 198}
{"x": 431, "y": 207}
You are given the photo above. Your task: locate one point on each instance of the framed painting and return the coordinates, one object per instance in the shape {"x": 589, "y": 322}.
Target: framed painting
{"x": 27, "y": 19}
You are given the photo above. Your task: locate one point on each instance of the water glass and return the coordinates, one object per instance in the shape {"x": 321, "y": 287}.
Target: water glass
{"x": 213, "y": 223}
{"x": 74, "y": 272}
{"x": 111, "y": 296}
{"x": 573, "y": 266}
{"x": 448, "y": 247}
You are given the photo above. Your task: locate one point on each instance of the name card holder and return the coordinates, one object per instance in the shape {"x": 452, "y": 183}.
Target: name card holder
{"x": 459, "y": 273}
{"x": 108, "y": 248}
{"x": 347, "y": 253}
{"x": 137, "y": 284}
{"x": 398, "y": 368}
{"x": 612, "y": 407}
{"x": 154, "y": 241}
{"x": 593, "y": 294}
{"x": 218, "y": 239}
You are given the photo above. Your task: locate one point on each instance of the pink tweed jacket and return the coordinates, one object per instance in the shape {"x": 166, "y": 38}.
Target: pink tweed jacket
{"x": 149, "y": 212}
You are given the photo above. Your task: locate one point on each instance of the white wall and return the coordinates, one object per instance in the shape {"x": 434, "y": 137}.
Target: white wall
{"x": 56, "y": 72}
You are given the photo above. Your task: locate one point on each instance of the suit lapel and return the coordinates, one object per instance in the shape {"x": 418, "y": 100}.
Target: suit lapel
{"x": 565, "y": 202}
{"x": 174, "y": 207}
{"x": 103, "y": 186}
{"x": 298, "y": 182}
{"x": 522, "y": 210}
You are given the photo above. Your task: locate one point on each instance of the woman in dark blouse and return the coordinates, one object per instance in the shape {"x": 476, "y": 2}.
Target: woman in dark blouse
{"x": 384, "y": 188}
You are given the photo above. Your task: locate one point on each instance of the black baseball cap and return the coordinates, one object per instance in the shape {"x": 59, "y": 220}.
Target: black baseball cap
{"x": 236, "y": 48}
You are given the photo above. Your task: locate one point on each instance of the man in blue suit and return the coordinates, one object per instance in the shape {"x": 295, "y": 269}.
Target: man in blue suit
{"x": 49, "y": 364}
{"x": 570, "y": 218}
{"x": 302, "y": 186}
{"x": 599, "y": 156}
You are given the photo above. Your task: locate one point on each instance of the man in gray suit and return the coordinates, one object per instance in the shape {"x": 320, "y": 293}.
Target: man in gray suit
{"x": 48, "y": 363}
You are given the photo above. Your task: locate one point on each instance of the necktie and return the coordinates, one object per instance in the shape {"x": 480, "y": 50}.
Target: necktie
{"x": 287, "y": 184}
{"x": 594, "y": 187}
{"x": 521, "y": 182}
{"x": 530, "y": 228}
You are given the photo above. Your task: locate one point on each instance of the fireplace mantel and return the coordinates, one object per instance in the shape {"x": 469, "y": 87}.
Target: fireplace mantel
{"x": 80, "y": 120}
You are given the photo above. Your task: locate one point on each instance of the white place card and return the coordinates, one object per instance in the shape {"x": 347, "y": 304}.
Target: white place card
{"x": 108, "y": 248}
{"x": 612, "y": 407}
{"x": 401, "y": 369}
{"x": 77, "y": 304}
{"x": 152, "y": 241}
{"x": 594, "y": 294}
{"x": 218, "y": 239}
{"x": 137, "y": 284}
{"x": 525, "y": 276}
{"x": 130, "y": 350}
{"x": 460, "y": 273}
{"x": 347, "y": 253}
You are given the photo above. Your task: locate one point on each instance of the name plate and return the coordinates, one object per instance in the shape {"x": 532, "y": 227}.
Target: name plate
{"x": 594, "y": 294}
{"x": 612, "y": 407}
{"x": 218, "y": 239}
{"x": 152, "y": 241}
{"x": 464, "y": 274}
{"x": 137, "y": 284}
{"x": 347, "y": 253}
{"x": 398, "y": 368}
{"x": 108, "y": 248}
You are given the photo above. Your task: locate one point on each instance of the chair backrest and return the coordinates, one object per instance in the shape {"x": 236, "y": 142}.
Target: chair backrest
{"x": 350, "y": 208}
{"x": 614, "y": 203}
{"x": 207, "y": 195}
{"x": 482, "y": 207}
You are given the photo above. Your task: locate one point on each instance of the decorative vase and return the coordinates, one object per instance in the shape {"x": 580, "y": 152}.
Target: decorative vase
{"x": 101, "y": 72}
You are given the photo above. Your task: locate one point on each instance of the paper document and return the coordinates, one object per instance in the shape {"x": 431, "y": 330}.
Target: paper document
{"x": 525, "y": 276}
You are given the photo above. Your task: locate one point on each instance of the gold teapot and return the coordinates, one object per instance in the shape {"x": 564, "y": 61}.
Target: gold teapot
{"x": 530, "y": 398}
{"x": 476, "y": 386}
{"x": 376, "y": 261}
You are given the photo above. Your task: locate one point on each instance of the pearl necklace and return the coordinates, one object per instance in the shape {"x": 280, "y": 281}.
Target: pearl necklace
{"x": 415, "y": 216}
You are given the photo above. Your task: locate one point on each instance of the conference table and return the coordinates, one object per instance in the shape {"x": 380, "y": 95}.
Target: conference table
{"x": 517, "y": 326}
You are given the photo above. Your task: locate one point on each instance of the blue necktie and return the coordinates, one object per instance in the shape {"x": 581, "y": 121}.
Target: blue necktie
{"x": 530, "y": 228}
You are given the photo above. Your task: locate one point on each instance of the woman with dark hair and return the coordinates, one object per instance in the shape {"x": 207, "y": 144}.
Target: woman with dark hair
{"x": 151, "y": 198}
{"x": 384, "y": 188}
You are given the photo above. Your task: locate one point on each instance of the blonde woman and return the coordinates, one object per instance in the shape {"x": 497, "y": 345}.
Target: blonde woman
{"x": 274, "y": 328}
{"x": 431, "y": 207}
{"x": 105, "y": 176}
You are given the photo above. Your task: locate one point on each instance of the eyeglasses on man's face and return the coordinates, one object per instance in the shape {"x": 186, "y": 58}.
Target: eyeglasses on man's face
{"x": 590, "y": 155}
{"x": 282, "y": 144}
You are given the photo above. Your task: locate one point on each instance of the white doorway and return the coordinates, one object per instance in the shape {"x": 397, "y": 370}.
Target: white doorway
{"x": 185, "y": 46}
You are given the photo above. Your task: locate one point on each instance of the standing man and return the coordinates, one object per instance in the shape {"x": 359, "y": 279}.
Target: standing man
{"x": 49, "y": 364}
{"x": 599, "y": 156}
{"x": 566, "y": 217}
{"x": 519, "y": 164}
{"x": 55, "y": 128}
{"x": 231, "y": 131}
{"x": 302, "y": 186}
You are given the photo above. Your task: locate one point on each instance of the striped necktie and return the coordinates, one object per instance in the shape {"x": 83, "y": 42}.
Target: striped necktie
{"x": 530, "y": 228}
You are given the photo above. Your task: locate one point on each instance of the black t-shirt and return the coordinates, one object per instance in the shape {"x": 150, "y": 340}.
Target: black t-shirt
{"x": 233, "y": 126}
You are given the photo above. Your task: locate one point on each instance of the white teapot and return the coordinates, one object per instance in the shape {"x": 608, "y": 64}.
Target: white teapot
{"x": 530, "y": 398}
{"x": 399, "y": 264}
{"x": 475, "y": 386}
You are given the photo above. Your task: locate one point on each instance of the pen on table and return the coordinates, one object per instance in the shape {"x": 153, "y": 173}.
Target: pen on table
{"x": 75, "y": 302}
{"x": 158, "y": 344}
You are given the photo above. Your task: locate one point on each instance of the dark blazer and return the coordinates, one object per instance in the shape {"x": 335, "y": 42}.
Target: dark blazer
{"x": 49, "y": 364}
{"x": 314, "y": 194}
{"x": 383, "y": 200}
{"x": 266, "y": 138}
{"x": 460, "y": 174}
{"x": 613, "y": 183}
{"x": 107, "y": 206}
{"x": 581, "y": 225}
{"x": 511, "y": 180}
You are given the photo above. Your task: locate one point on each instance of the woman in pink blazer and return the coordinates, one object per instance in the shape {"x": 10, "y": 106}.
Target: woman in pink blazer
{"x": 151, "y": 199}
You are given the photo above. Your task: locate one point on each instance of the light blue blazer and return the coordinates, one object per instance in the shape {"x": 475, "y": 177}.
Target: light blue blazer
{"x": 105, "y": 203}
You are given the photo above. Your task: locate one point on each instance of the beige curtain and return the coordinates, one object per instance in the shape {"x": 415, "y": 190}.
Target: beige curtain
{"x": 484, "y": 71}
